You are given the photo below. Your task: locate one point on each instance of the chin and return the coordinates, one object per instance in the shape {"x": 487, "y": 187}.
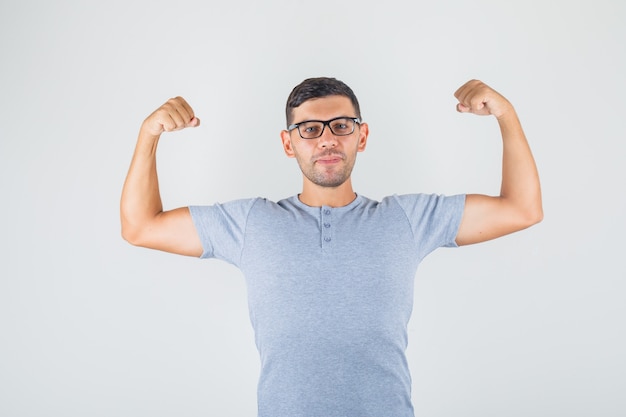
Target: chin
{"x": 329, "y": 182}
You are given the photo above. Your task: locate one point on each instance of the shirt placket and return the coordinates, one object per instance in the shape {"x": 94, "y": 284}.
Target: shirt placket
{"x": 326, "y": 227}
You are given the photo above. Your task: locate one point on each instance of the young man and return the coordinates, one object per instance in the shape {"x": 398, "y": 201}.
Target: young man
{"x": 329, "y": 272}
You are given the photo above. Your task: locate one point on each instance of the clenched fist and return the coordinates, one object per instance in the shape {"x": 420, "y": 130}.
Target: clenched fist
{"x": 478, "y": 98}
{"x": 175, "y": 114}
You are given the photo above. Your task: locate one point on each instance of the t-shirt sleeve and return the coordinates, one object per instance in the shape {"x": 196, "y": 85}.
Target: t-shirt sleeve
{"x": 221, "y": 228}
{"x": 434, "y": 219}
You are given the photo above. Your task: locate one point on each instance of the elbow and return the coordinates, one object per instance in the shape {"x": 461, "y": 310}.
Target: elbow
{"x": 523, "y": 217}
{"x": 533, "y": 215}
{"x": 539, "y": 215}
{"x": 138, "y": 231}
{"x": 536, "y": 208}
{"x": 131, "y": 234}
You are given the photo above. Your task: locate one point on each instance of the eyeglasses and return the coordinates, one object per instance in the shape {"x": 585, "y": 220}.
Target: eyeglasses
{"x": 312, "y": 129}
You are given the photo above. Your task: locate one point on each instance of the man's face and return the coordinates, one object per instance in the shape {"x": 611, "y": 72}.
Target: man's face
{"x": 326, "y": 161}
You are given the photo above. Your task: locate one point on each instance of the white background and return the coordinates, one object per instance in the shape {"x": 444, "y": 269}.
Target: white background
{"x": 530, "y": 324}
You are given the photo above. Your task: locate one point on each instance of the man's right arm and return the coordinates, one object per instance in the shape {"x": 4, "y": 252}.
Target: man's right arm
{"x": 144, "y": 223}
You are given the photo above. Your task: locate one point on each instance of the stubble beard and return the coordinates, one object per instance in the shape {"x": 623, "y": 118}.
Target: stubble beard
{"x": 330, "y": 177}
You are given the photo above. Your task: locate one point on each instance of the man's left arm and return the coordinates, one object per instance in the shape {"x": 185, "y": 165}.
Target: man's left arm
{"x": 519, "y": 204}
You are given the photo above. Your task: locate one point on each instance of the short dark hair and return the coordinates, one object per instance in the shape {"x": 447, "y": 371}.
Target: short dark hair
{"x": 319, "y": 87}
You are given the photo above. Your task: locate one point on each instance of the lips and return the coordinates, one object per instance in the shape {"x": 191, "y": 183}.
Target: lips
{"x": 329, "y": 158}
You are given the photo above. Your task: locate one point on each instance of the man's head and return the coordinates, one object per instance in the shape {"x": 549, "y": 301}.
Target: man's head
{"x": 320, "y": 87}
{"x": 324, "y": 132}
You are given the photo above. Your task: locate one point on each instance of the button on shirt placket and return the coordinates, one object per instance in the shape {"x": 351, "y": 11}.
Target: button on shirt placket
{"x": 326, "y": 229}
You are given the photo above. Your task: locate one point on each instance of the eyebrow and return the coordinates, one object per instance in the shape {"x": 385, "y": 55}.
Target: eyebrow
{"x": 325, "y": 121}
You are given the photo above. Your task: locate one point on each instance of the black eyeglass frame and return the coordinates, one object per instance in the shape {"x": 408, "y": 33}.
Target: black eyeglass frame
{"x": 325, "y": 123}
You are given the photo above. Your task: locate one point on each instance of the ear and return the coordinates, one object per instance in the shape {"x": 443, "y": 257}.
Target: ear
{"x": 285, "y": 136}
{"x": 364, "y": 132}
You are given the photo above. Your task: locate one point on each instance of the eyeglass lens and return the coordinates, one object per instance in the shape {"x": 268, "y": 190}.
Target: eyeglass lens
{"x": 314, "y": 129}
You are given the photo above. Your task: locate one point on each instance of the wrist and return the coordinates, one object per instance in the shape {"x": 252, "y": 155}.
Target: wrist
{"x": 506, "y": 114}
{"x": 149, "y": 129}
{"x": 147, "y": 141}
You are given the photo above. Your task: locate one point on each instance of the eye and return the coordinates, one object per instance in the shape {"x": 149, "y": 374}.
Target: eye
{"x": 309, "y": 130}
{"x": 342, "y": 126}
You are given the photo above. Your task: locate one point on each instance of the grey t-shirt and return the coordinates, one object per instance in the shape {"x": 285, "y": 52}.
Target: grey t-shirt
{"x": 330, "y": 292}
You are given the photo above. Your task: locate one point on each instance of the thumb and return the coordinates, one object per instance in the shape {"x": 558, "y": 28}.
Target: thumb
{"x": 195, "y": 122}
{"x": 462, "y": 108}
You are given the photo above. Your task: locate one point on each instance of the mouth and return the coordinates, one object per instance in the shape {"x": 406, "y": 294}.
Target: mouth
{"x": 329, "y": 159}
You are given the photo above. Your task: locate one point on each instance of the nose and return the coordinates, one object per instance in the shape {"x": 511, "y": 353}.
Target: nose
{"x": 328, "y": 139}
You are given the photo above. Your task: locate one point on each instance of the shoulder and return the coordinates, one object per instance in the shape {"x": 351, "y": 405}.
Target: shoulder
{"x": 239, "y": 204}
{"x": 428, "y": 205}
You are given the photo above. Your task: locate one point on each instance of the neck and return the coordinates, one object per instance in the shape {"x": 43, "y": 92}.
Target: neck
{"x": 316, "y": 196}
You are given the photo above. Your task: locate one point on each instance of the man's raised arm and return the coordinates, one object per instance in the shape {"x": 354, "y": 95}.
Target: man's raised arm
{"x": 519, "y": 204}
{"x": 144, "y": 223}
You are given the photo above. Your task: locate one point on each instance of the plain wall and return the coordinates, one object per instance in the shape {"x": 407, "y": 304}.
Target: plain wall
{"x": 529, "y": 324}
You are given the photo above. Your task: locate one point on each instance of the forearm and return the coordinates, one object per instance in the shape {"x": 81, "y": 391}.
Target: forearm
{"x": 141, "y": 199}
{"x": 520, "y": 180}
